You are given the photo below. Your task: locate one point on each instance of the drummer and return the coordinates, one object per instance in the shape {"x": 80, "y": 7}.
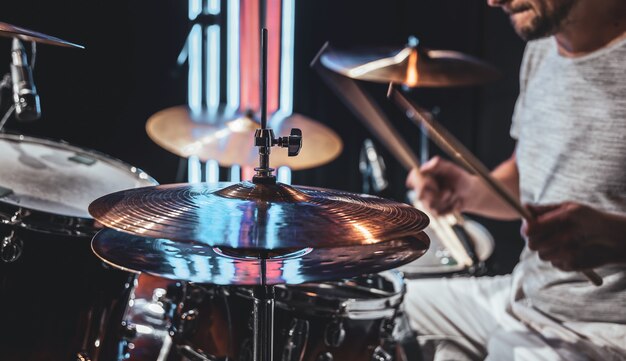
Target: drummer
{"x": 569, "y": 169}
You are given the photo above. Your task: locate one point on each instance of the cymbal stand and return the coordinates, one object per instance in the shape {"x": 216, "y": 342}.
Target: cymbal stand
{"x": 264, "y": 294}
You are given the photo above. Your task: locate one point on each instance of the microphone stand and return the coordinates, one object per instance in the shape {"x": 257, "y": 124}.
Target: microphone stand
{"x": 7, "y": 83}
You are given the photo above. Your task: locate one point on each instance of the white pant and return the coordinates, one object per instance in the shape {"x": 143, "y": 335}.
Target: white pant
{"x": 470, "y": 319}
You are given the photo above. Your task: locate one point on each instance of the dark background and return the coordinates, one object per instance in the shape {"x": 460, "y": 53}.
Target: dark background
{"x": 101, "y": 97}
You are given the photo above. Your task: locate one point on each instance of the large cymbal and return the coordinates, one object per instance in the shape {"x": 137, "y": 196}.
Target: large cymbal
{"x": 204, "y": 264}
{"x": 229, "y": 138}
{"x": 257, "y": 216}
{"x": 11, "y": 31}
{"x": 410, "y": 66}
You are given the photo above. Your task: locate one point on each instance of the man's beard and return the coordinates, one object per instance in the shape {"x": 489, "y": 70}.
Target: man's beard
{"x": 547, "y": 22}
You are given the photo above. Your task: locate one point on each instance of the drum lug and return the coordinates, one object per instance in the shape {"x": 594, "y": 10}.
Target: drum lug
{"x": 11, "y": 248}
{"x": 297, "y": 338}
{"x": 187, "y": 324}
{"x": 334, "y": 334}
{"x": 18, "y": 216}
{"x": 82, "y": 356}
{"x": 381, "y": 355}
{"x": 325, "y": 356}
{"x": 128, "y": 331}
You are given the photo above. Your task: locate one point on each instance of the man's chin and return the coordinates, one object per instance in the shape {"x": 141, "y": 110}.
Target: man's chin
{"x": 532, "y": 31}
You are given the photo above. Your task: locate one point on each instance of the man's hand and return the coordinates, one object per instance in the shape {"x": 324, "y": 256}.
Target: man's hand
{"x": 443, "y": 187}
{"x": 576, "y": 237}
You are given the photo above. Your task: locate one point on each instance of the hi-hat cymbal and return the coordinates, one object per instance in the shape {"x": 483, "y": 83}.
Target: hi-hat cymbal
{"x": 410, "y": 66}
{"x": 200, "y": 263}
{"x": 11, "y": 31}
{"x": 229, "y": 138}
{"x": 257, "y": 216}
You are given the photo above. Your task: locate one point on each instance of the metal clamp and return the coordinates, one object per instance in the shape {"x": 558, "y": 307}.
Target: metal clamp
{"x": 11, "y": 248}
{"x": 334, "y": 334}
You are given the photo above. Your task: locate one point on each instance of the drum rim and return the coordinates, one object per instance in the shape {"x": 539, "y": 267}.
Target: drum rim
{"x": 55, "y": 223}
{"x": 412, "y": 271}
{"x": 288, "y": 297}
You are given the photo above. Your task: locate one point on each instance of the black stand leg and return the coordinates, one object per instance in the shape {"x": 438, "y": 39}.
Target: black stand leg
{"x": 263, "y": 323}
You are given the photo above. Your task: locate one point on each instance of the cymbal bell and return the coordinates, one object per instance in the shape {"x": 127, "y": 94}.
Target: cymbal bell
{"x": 228, "y": 137}
{"x": 12, "y": 31}
{"x": 411, "y": 66}
{"x": 200, "y": 263}
{"x": 257, "y": 216}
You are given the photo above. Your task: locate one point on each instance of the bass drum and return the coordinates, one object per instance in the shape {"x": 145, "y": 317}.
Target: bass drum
{"x": 438, "y": 261}
{"x": 57, "y": 298}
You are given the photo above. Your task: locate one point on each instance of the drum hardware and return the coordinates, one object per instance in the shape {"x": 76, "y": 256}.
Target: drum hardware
{"x": 457, "y": 151}
{"x": 334, "y": 334}
{"x": 43, "y": 213}
{"x": 223, "y": 135}
{"x": 194, "y": 355}
{"x": 261, "y": 234}
{"x": 372, "y": 167}
{"x": 297, "y": 338}
{"x": 26, "y": 101}
{"x": 326, "y": 356}
{"x": 11, "y": 248}
{"x": 441, "y": 228}
{"x": 381, "y": 355}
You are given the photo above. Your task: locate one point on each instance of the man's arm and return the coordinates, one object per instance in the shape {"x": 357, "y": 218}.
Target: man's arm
{"x": 446, "y": 187}
{"x": 486, "y": 203}
{"x": 574, "y": 236}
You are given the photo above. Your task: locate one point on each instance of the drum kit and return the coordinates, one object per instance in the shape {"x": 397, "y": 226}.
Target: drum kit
{"x": 99, "y": 262}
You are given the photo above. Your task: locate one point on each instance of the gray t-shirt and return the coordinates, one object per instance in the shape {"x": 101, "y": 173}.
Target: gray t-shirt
{"x": 570, "y": 122}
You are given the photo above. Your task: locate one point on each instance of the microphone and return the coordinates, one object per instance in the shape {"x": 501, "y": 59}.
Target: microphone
{"x": 25, "y": 96}
{"x": 373, "y": 166}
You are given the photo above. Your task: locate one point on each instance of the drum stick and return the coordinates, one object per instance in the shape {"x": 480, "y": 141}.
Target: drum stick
{"x": 364, "y": 107}
{"x": 457, "y": 150}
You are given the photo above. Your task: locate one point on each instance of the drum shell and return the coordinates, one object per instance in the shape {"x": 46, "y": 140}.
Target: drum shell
{"x": 364, "y": 320}
{"x": 57, "y": 299}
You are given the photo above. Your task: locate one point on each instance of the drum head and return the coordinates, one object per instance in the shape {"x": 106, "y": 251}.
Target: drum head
{"x": 438, "y": 260}
{"x": 59, "y": 178}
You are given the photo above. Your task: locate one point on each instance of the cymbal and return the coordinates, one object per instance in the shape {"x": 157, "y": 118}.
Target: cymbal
{"x": 229, "y": 138}
{"x": 257, "y": 216}
{"x": 200, "y": 263}
{"x": 12, "y": 31}
{"x": 410, "y": 66}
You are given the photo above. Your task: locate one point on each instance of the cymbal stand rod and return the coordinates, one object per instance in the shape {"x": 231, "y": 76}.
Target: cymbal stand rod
{"x": 264, "y": 78}
{"x": 263, "y": 317}
{"x": 264, "y": 137}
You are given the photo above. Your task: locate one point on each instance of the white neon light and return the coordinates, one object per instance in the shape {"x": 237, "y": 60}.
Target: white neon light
{"x": 194, "y": 60}
{"x": 286, "y": 70}
{"x": 213, "y": 7}
{"x": 195, "y": 8}
{"x": 212, "y": 171}
{"x": 184, "y": 54}
{"x": 194, "y": 172}
{"x": 213, "y": 68}
{"x": 232, "y": 55}
{"x": 235, "y": 173}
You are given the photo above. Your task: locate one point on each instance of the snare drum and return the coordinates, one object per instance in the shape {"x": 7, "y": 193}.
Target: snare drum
{"x": 56, "y": 297}
{"x": 347, "y": 320}
{"x": 438, "y": 261}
